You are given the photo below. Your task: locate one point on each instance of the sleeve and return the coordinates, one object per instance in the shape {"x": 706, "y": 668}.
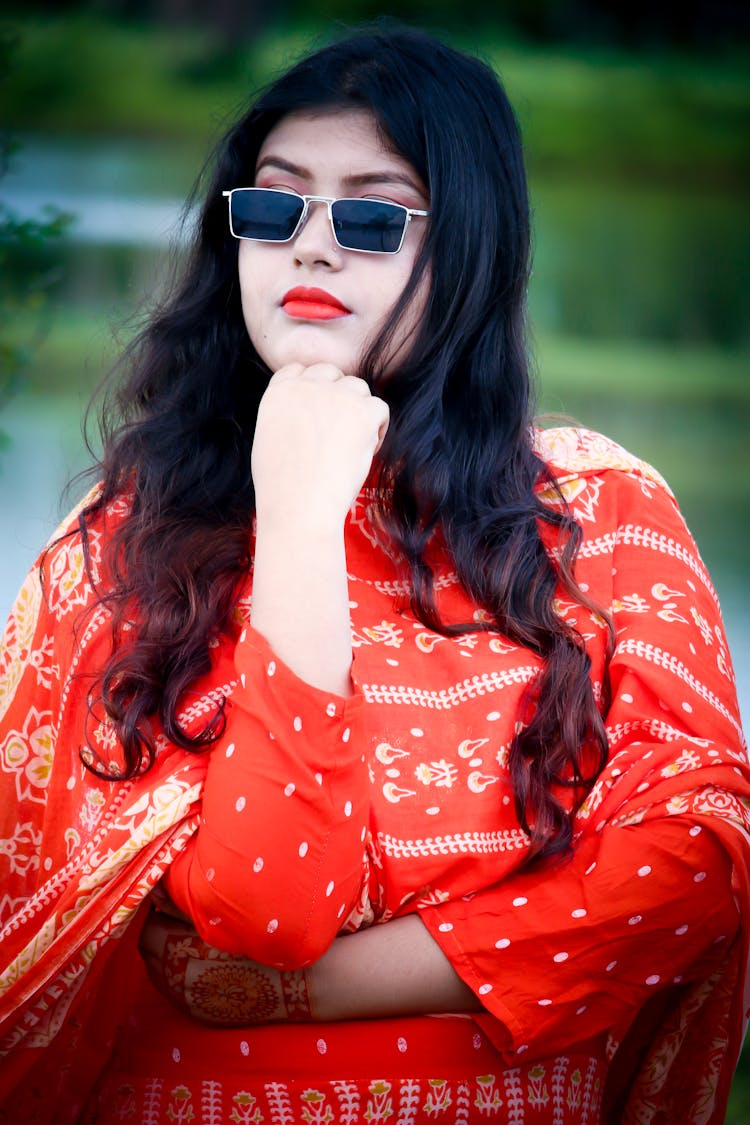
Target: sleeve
{"x": 645, "y": 902}
{"x": 277, "y": 861}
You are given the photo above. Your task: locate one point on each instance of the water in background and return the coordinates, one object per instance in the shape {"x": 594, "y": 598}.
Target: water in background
{"x": 612, "y": 263}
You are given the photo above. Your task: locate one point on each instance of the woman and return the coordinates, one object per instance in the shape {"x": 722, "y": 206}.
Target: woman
{"x": 371, "y": 754}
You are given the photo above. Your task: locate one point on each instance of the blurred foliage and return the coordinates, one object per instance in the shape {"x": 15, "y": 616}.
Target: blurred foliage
{"x": 701, "y": 24}
{"x": 662, "y": 114}
{"x": 29, "y": 264}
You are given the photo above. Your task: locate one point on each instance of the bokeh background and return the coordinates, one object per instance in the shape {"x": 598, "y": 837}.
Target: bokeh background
{"x": 636, "y": 119}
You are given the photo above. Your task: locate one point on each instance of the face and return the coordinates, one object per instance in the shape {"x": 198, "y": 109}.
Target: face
{"x": 335, "y": 154}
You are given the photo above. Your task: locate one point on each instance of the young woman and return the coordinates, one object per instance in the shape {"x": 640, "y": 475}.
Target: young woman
{"x": 369, "y": 753}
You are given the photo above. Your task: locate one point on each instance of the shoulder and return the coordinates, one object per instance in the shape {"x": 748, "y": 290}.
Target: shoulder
{"x": 584, "y": 463}
{"x": 69, "y": 522}
{"x": 602, "y": 483}
{"x": 572, "y": 452}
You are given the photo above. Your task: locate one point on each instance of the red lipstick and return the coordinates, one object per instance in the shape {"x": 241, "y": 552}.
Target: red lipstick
{"x": 312, "y": 304}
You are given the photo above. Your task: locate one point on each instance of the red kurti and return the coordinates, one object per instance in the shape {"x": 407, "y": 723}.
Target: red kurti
{"x": 315, "y": 813}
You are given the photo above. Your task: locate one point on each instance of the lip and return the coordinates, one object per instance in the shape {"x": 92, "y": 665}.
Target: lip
{"x": 304, "y": 303}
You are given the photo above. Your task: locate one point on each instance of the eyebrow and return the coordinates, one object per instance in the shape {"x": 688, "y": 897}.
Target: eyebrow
{"x": 389, "y": 176}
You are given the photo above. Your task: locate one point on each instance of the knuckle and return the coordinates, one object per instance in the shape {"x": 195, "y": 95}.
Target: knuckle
{"x": 287, "y": 372}
{"x": 322, "y": 371}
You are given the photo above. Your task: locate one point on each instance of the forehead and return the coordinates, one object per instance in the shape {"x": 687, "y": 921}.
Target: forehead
{"x": 349, "y": 138}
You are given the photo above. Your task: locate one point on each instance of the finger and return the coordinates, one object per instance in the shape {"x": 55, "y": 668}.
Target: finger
{"x": 324, "y": 373}
{"x": 356, "y": 385}
{"x": 287, "y": 372}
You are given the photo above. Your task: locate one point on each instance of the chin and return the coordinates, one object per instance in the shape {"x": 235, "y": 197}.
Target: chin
{"x": 311, "y": 354}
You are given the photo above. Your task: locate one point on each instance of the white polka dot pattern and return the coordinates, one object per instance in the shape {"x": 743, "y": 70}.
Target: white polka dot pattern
{"x": 627, "y": 911}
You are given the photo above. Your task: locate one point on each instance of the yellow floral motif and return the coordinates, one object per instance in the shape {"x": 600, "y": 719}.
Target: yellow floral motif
{"x": 170, "y": 804}
{"x": 68, "y": 578}
{"x": 439, "y": 1098}
{"x": 488, "y": 1099}
{"x": 574, "y": 1090}
{"x": 29, "y": 754}
{"x": 633, "y": 603}
{"x": 379, "y": 1104}
{"x": 385, "y": 633}
{"x": 538, "y": 1093}
{"x": 18, "y": 639}
{"x": 106, "y": 735}
{"x": 92, "y": 808}
{"x": 440, "y": 773}
{"x": 316, "y": 1111}
{"x": 181, "y": 1110}
{"x": 243, "y": 1103}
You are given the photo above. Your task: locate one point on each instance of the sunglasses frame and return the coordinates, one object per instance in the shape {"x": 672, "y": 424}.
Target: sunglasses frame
{"x": 410, "y": 213}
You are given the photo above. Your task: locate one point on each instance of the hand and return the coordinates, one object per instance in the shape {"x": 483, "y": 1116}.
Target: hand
{"x": 316, "y": 435}
{"x": 215, "y": 987}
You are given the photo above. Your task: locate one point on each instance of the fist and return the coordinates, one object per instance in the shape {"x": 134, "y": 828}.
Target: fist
{"x": 316, "y": 435}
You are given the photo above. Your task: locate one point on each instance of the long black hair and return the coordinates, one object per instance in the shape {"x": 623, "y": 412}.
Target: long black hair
{"x": 458, "y": 456}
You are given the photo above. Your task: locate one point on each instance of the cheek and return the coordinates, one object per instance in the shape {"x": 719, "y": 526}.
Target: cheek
{"x": 409, "y": 322}
{"x": 416, "y": 307}
{"x": 250, "y": 294}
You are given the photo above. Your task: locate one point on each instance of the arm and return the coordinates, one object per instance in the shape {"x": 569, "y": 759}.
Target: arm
{"x": 277, "y": 861}
{"x": 316, "y": 434}
{"x": 595, "y": 959}
{"x": 392, "y": 969}
{"x": 576, "y": 949}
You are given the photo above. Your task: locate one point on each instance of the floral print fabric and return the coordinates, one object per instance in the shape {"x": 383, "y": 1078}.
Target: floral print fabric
{"x": 314, "y": 814}
{"x": 428, "y": 1070}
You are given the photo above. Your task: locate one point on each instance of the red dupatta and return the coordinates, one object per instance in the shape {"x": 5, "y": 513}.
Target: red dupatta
{"x": 82, "y": 853}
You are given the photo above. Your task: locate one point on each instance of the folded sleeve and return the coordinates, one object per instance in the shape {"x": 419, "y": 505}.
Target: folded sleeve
{"x": 645, "y": 902}
{"x": 277, "y": 861}
{"x": 574, "y": 951}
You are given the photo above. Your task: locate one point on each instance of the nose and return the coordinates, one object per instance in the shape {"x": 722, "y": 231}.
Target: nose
{"x": 314, "y": 243}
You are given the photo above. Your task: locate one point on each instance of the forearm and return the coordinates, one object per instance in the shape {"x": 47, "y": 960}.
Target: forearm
{"x": 301, "y": 600}
{"x": 316, "y": 433}
{"x": 392, "y": 969}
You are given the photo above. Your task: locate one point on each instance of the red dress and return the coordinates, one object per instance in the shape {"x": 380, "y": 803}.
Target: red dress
{"x": 315, "y": 814}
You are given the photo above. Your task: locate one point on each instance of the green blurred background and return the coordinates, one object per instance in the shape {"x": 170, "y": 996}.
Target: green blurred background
{"x": 637, "y": 128}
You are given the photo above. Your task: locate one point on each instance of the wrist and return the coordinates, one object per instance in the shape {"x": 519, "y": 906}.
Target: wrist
{"x": 300, "y": 519}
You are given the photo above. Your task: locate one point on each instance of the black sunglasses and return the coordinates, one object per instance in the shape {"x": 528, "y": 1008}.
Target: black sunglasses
{"x": 371, "y": 226}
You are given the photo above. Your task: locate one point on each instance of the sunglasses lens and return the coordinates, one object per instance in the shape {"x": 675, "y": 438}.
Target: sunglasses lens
{"x": 265, "y": 215}
{"x": 367, "y": 224}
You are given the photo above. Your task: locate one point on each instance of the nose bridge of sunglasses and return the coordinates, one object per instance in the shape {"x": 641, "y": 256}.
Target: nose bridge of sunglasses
{"x": 316, "y": 219}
